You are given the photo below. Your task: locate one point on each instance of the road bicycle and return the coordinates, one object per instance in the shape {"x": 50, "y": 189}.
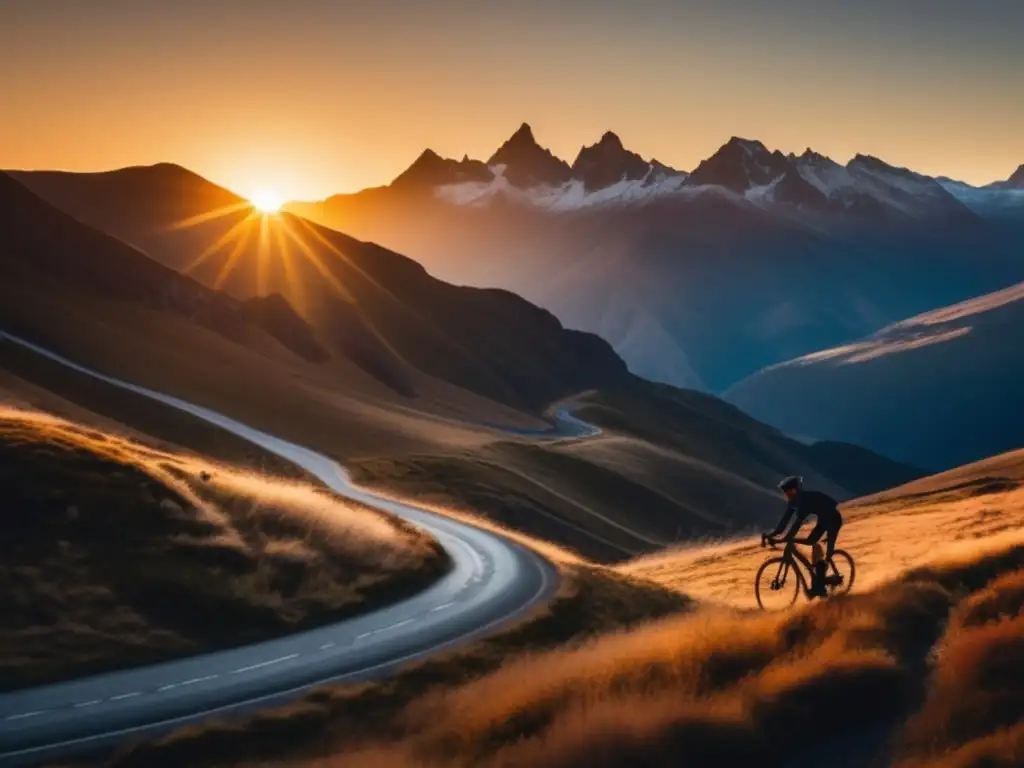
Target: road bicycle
{"x": 780, "y": 580}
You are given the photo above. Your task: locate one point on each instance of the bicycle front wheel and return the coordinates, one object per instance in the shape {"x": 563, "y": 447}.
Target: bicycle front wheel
{"x": 840, "y": 573}
{"x": 777, "y": 584}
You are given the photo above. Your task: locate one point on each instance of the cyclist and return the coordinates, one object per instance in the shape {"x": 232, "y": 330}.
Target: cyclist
{"x": 825, "y": 509}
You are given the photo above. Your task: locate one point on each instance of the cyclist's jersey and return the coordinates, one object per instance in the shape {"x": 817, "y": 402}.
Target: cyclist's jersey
{"x": 806, "y": 503}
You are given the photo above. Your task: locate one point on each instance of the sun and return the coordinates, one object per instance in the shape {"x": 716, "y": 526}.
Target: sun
{"x": 267, "y": 200}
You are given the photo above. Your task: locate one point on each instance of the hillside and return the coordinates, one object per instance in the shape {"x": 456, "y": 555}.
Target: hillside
{"x": 695, "y": 279}
{"x": 204, "y": 555}
{"x": 44, "y": 247}
{"x": 938, "y": 390}
{"x": 374, "y": 307}
{"x": 671, "y": 465}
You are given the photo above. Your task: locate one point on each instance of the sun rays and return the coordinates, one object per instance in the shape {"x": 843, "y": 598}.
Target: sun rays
{"x": 252, "y": 252}
{"x": 217, "y": 213}
{"x": 262, "y": 239}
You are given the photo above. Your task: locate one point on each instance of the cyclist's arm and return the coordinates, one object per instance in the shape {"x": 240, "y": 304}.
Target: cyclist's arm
{"x": 794, "y": 529}
{"x": 790, "y": 511}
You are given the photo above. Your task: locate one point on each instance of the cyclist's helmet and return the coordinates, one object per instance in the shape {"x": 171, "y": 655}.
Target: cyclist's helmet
{"x": 793, "y": 482}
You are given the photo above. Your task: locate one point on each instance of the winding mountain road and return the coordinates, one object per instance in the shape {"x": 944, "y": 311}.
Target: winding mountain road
{"x": 492, "y": 581}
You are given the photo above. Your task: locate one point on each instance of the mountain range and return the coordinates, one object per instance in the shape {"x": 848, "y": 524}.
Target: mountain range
{"x": 697, "y": 279}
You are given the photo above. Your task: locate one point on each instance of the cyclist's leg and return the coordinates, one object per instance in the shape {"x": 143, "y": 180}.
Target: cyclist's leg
{"x": 819, "y": 563}
{"x": 831, "y": 536}
{"x": 812, "y": 538}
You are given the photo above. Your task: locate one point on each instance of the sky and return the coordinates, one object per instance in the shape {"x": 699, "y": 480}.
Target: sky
{"x": 314, "y": 97}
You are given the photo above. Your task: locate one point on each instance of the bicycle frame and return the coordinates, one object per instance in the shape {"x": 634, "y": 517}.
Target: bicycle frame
{"x": 790, "y": 556}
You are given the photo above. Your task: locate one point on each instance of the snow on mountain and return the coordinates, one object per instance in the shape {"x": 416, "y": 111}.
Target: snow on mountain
{"x": 740, "y": 165}
{"x": 607, "y": 163}
{"x": 521, "y": 171}
{"x": 900, "y": 188}
{"x": 824, "y": 174}
{"x": 1001, "y": 199}
{"x": 607, "y": 174}
{"x": 572, "y": 195}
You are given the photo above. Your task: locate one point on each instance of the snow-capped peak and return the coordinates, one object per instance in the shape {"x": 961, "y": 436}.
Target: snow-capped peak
{"x": 527, "y": 163}
{"x": 606, "y": 173}
{"x": 740, "y": 165}
{"x": 608, "y": 162}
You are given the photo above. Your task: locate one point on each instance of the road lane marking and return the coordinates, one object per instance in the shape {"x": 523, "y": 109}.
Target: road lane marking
{"x": 131, "y": 695}
{"x": 442, "y": 607}
{"x": 325, "y": 646}
{"x": 195, "y": 680}
{"x": 24, "y": 715}
{"x": 92, "y": 703}
{"x": 289, "y": 657}
{"x": 168, "y": 687}
{"x": 399, "y": 624}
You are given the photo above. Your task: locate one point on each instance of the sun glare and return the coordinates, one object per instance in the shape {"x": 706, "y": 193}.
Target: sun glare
{"x": 266, "y": 201}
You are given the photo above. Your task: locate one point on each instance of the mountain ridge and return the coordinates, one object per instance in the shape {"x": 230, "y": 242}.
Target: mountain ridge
{"x": 607, "y": 173}
{"x": 950, "y": 373}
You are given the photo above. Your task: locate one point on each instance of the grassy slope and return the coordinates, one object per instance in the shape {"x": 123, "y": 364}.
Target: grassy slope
{"x": 855, "y": 678}
{"x": 120, "y": 554}
{"x": 333, "y": 407}
{"x": 671, "y": 466}
{"x": 886, "y": 533}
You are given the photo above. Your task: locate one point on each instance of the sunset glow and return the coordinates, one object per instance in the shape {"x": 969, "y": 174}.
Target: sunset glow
{"x": 674, "y": 80}
{"x": 267, "y": 200}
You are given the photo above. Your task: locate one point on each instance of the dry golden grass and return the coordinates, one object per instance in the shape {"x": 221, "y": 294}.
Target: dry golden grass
{"x": 941, "y": 517}
{"x": 719, "y": 687}
{"x": 920, "y": 668}
{"x": 116, "y": 553}
{"x": 974, "y": 712}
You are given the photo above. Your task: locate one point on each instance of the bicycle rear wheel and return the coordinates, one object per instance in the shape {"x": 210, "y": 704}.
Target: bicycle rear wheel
{"x": 777, "y": 584}
{"x": 840, "y": 574}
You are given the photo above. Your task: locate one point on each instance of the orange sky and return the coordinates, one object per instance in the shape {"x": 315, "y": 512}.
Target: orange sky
{"x": 312, "y": 98}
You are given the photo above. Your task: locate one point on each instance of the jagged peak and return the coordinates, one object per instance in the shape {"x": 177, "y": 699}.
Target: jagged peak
{"x": 527, "y": 163}
{"x": 659, "y": 167}
{"x": 809, "y": 155}
{"x": 427, "y": 155}
{"x": 523, "y": 135}
{"x": 430, "y": 169}
{"x": 749, "y": 145}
